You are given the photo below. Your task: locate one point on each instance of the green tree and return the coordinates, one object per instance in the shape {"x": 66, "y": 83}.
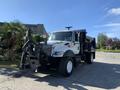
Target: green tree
{"x": 101, "y": 40}
{"x": 13, "y": 33}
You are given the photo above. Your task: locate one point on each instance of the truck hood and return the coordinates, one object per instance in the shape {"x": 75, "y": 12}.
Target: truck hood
{"x": 54, "y": 42}
{"x": 57, "y": 42}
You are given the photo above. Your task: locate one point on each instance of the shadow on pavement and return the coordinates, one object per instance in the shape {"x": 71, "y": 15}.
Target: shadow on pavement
{"x": 100, "y": 75}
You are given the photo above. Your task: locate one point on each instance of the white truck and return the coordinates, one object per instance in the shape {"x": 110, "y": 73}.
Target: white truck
{"x": 64, "y": 50}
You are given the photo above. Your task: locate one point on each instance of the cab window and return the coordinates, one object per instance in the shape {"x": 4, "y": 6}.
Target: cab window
{"x": 76, "y": 37}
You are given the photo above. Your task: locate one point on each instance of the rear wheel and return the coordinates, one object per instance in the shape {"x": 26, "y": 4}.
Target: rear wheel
{"x": 89, "y": 58}
{"x": 66, "y": 66}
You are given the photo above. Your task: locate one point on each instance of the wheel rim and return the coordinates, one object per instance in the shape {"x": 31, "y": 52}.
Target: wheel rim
{"x": 69, "y": 66}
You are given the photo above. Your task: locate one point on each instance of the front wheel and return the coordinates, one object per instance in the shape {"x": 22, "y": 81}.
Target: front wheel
{"x": 66, "y": 66}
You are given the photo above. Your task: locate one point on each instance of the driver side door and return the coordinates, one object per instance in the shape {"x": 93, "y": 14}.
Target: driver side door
{"x": 76, "y": 44}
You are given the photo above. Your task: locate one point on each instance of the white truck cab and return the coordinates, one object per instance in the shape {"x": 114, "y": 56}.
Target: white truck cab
{"x": 63, "y": 41}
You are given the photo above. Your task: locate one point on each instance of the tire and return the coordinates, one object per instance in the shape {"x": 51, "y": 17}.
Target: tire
{"x": 89, "y": 58}
{"x": 66, "y": 66}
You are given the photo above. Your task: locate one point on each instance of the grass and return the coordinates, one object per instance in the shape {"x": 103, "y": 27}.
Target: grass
{"x": 103, "y": 50}
{"x": 9, "y": 64}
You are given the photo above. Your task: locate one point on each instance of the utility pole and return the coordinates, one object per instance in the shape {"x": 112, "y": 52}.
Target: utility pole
{"x": 69, "y": 27}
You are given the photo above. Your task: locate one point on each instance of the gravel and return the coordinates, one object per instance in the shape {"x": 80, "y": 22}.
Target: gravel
{"x": 103, "y": 74}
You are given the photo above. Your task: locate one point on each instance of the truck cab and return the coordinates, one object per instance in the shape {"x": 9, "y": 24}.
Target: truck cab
{"x": 63, "y": 41}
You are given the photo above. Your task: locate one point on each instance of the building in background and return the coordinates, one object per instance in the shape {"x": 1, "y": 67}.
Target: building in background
{"x": 35, "y": 28}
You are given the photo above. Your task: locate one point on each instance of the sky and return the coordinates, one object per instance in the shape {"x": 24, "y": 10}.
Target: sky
{"x": 96, "y": 16}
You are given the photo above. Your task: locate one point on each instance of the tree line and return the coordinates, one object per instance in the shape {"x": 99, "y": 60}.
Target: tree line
{"x": 105, "y": 42}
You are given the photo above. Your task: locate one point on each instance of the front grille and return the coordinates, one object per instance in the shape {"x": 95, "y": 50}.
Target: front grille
{"x": 47, "y": 49}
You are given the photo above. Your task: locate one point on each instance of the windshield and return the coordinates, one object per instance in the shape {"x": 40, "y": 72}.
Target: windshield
{"x": 62, "y": 36}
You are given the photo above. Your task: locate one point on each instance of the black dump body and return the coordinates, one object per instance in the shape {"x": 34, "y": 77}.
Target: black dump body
{"x": 87, "y": 44}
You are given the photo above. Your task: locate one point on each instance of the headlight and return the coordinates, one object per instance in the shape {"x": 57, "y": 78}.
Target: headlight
{"x": 33, "y": 49}
{"x": 58, "y": 53}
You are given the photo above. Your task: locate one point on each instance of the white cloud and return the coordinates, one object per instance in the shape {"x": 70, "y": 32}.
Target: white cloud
{"x": 114, "y": 11}
{"x": 112, "y": 24}
{"x": 113, "y": 34}
{"x": 108, "y": 25}
{"x": 111, "y": 29}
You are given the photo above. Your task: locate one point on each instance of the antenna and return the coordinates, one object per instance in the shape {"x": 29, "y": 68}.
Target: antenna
{"x": 69, "y": 27}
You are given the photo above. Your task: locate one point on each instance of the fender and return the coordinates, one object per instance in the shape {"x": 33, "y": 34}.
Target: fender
{"x": 69, "y": 53}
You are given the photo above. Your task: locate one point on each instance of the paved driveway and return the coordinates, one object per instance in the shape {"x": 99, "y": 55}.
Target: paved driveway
{"x": 103, "y": 74}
